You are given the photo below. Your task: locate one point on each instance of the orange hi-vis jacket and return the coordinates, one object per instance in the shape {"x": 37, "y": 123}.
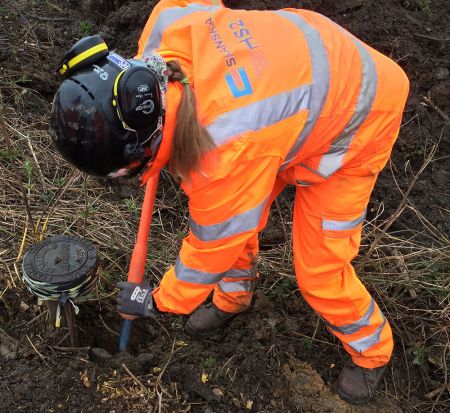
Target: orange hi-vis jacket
{"x": 284, "y": 94}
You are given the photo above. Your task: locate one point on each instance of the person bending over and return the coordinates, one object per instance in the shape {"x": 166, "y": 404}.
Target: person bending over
{"x": 236, "y": 105}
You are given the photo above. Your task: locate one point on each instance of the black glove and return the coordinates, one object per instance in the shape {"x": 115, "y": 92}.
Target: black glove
{"x": 136, "y": 299}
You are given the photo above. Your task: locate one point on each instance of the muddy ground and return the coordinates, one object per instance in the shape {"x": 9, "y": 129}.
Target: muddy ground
{"x": 279, "y": 357}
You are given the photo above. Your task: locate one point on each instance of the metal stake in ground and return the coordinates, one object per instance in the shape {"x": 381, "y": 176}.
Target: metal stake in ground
{"x": 58, "y": 270}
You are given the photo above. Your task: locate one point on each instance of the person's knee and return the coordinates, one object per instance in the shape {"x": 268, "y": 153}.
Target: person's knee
{"x": 317, "y": 283}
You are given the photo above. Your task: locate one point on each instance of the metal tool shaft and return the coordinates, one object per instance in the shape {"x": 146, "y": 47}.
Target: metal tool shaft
{"x": 125, "y": 332}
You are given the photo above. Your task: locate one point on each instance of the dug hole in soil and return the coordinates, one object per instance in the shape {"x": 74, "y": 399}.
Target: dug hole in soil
{"x": 278, "y": 357}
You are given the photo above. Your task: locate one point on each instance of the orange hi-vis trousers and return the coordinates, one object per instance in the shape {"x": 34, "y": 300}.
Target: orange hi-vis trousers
{"x": 327, "y": 226}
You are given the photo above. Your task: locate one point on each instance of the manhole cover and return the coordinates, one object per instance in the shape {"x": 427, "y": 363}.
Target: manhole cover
{"x": 62, "y": 261}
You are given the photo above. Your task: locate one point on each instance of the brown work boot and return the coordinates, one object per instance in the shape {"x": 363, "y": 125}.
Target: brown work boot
{"x": 357, "y": 384}
{"x": 208, "y": 322}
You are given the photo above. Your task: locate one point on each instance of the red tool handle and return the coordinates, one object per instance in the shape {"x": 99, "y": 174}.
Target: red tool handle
{"x": 139, "y": 256}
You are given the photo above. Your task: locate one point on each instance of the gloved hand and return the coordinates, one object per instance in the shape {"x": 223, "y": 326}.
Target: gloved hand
{"x": 136, "y": 299}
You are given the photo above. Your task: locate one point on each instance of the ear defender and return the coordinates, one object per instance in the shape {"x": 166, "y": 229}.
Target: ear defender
{"x": 136, "y": 97}
{"x": 82, "y": 54}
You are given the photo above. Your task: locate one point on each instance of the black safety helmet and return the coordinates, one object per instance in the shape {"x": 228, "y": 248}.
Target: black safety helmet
{"x": 107, "y": 113}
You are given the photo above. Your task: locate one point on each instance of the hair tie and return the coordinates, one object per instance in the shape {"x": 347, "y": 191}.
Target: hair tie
{"x": 184, "y": 81}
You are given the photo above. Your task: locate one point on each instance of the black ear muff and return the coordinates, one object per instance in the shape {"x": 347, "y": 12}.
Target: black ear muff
{"x": 137, "y": 95}
{"x": 82, "y": 54}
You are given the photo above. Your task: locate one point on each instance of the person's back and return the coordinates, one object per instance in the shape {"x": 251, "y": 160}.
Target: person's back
{"x": 289, "y": 84}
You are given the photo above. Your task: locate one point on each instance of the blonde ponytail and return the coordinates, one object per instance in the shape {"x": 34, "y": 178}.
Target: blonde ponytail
{"x": 191, "y": 140}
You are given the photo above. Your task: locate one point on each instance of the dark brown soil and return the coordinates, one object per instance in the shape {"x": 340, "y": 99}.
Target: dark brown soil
{"x": 277, "y": 358}
{"x": 262, "y": 369}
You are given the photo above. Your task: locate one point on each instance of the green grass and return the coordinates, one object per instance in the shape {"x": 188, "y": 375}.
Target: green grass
{"x": 208, "y": 362}
{"x": 85, "y": 28}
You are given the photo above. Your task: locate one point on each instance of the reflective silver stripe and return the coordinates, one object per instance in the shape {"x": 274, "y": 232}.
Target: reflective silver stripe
{"x": 237, "y": 224}
{"x": 320, "y": 79}
{"x": 190, "y": 275}
{"x": 233, "y": 273}
{"x": 329, "y": 224}
{"x": 332, "y": 161}
{"x": 354, "y": 327}
{"x": 169, "y": 16}
{"x": 365, "y": 343}
{"x": 259, "y": 114}
{"x": 237, "y": 286}
{"x": 303, "y": 183}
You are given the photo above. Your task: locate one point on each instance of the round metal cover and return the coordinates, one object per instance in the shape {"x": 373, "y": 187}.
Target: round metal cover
{"x": 60, "y": 260}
